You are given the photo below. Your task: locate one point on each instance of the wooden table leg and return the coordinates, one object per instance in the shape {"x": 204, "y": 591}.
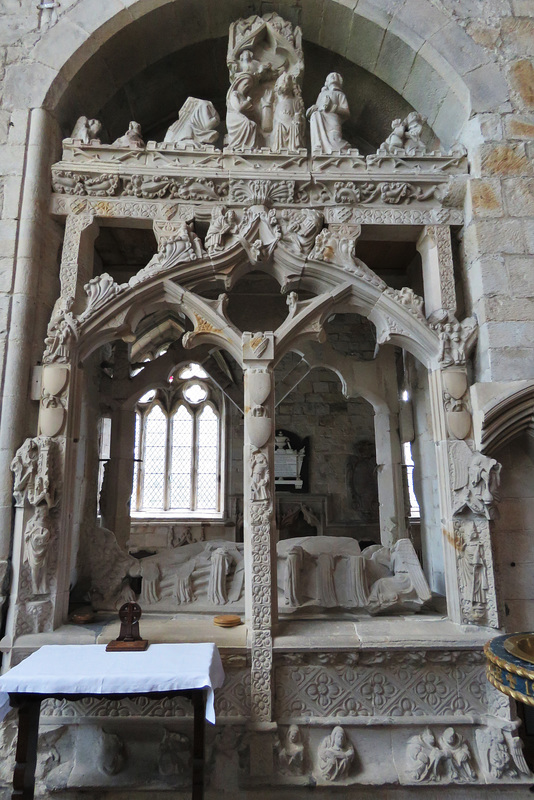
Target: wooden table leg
{"x": 26, "y": 753}
{"x": 199, "y": 716}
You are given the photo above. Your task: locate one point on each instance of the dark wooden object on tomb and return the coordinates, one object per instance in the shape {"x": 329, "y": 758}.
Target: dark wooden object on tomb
{"x": 129, "y": 638}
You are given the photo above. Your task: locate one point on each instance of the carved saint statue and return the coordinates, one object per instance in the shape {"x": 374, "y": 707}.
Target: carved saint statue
{"x": 327, "y": 116}
{"x": 61, "y": 332}
{"x": 260, "y": 477}
{"x": 37, "y": 539}
{"x": 291, "y": 753}
{"x": 242, "y": 130}
{"x": 288, "y": 120}
{"x": 196, "y": 124}
{"x": 223, "y": 225}
{"x": 335, "y": 755}
{"x": 476, "y": 480}
{"x": 472, "y": 567}
{"x": 132, "y": 138}
{"x": 86, "y": 130}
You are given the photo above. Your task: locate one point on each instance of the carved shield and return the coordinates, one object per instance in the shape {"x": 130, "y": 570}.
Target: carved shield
{"x": 459, "y": 423}
{"x": 259, "y": 430}
{"x": 259, "y": 387}
{"x": 54, "y": 380}
{"x": 51, "y": 420}
{"x": 455, "y": 382}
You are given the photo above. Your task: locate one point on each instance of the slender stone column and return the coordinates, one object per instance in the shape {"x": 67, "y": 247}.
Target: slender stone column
{"x": 389, "y": 477}
{"x": 119, "y": 476}
{"x": 434, "y": 246}
{"x": 77, "y": 256}
{"x": 259, "y": 518}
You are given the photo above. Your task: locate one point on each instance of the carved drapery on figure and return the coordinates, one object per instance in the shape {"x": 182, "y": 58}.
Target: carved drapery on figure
{"x": 34, "y": 469}
{"x": 327, "y": 116}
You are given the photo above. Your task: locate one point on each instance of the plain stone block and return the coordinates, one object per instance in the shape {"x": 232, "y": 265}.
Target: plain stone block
{"x": 451, "y": 117}
{"x": 364, "y": 43}
{"x": 395, "y": 61}
{"x": 494, "y": 236}
{"x": 519, "y": 196}
{"x": 425, "y": 89}
{"x": 453, "y": 43}
{"x": 484, "y": 198}
{"x": 506, "y": 364}
{"x": 424, "y": 18}
{"x": 337, "y": 28}
{"x": 488, "y": 88}
{"x": 520, "y": 271}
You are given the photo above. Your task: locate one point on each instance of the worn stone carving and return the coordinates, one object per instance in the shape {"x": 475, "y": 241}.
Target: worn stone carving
{"x": 179, "y": 244}
{"x": 174, "y": 754}
{"x": 290, "y": 752}
{"x": 264, "y": 104}
{"x": 86, "y": 130}
{"x": 34, "y": 468}
{"x": 335, "y": 755}
{"x": 113, "y": 754}
{"x": 472, "y": 570}
{"x": 62, "y": 332}
{"x": 455, "y": 338}
{"x": 407, "y": 298}
{"x": 260, "y": 477}
{"x": 300, "y": 228}
{"x": 75, "y": 183}
{"x": 475, "y": 480}
{"x": 220, "y": 566}
{"x": 222, "y": 231}
{"x": 337, "y": 244}
{"x": 100, "y": 290}
{"x": 391, "y": 193}
{"x": 405, "y": 138}
{"x": 132, "y": 138}
{"x": 457, "y": 415}
{"x": 37, "y": 538}
{"x": 48, "y": 14}
{"x": 501, "y": 753}
{"x": 109, "y": 566}
{"x": 196, "y": 125}
{"x": 329, "y": 572}
{"x": 448, "y": 759}
{"x": 176, "y": 188}
{"x": 327, "y": 116}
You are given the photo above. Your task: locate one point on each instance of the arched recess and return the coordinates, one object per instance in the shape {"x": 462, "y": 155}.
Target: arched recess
{"x": 507, "y": 434}
{"x": 417, "y": 50}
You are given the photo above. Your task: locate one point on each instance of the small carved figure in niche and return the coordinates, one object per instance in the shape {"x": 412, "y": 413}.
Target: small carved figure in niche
{"x": 472, "y": 567}
{"x": 294, "y": 564}
{"x": 61, "y": 332}
{"x": 132, "y": 138}
{"x": 247, "y": 64}
{"x": 220, "y": 565}
{"x": 290, "y": 754}
{"x": 196, "y": 124}
{"x": 222, "y": 225}
{"x": 86, "y": 130}
{"x": 24, "y": 467}
{"x": 33, "y": 466}
{"x": 335, "y": 755}
{"x": 260, "y": 477}
{"x": 327, "y": 116}
{"x": 113, "y": 754}
{"x": 174, "y": 754}
{"x": 423, "y": 757}
{"x": 476, "y": 480}
{"x": 299, "y": 228}
{"x": 458, "y": 755}
{"x": 288, "y": 120}
{"x": 414, "y": 128}
{"x": 37, "y": 538}
{"x": 242, "y": 131}
{"x": 395, "y": 141}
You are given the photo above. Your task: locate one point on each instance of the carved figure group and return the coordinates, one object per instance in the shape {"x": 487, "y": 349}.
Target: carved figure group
{"x": 196, "y": 125}
{"x": 450, "y": 758}
{"x": 405, "y": 138}
{"x": 33, "y": 468}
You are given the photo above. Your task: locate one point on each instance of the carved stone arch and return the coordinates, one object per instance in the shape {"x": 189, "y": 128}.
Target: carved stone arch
{"x": 505, "y": 418}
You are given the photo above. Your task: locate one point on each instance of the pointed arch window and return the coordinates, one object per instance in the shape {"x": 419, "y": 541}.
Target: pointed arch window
{"x": 178, "y": 448}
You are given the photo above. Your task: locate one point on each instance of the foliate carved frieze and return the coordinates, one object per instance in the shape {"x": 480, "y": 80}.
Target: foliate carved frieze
{"x": 399, "y": 685}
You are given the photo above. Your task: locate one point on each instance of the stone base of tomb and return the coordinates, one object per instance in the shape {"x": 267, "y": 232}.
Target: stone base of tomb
{"x": 407, "y": 695}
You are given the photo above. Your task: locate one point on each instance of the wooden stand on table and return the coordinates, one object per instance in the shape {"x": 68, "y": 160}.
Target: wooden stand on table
{"x": 129, "y": 639}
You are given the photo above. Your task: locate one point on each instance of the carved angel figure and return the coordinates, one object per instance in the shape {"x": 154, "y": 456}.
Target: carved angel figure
{"x": 86, "y": 130}
{"x": 288, "y": 120}
{"x": 132, "y": 138}
{"x": 423, "y": 757}
{"x": 37, "y": 540}
{"x": 291, "y": 753}
{"x": 242, "y": 130}
{"x": 335, "y": 755}
{"x": 501, "y": 753}
{"x": 196, "y": 124}
{"x": 327, "y": 116}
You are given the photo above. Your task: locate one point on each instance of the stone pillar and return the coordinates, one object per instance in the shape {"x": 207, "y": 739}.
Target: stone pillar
{"x": 434, "y": 245}
{"x": 468, "y": 483}
{"x": 259, "y": 517}
{"x": 389, "y": 477}
{"x": 117, "y": 488}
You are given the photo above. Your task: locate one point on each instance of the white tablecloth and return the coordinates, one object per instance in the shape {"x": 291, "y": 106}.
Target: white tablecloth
{"x": 88, "y": 669}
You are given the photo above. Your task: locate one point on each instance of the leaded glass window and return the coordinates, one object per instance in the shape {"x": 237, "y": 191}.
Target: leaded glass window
{"x": 178, "y": 447}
